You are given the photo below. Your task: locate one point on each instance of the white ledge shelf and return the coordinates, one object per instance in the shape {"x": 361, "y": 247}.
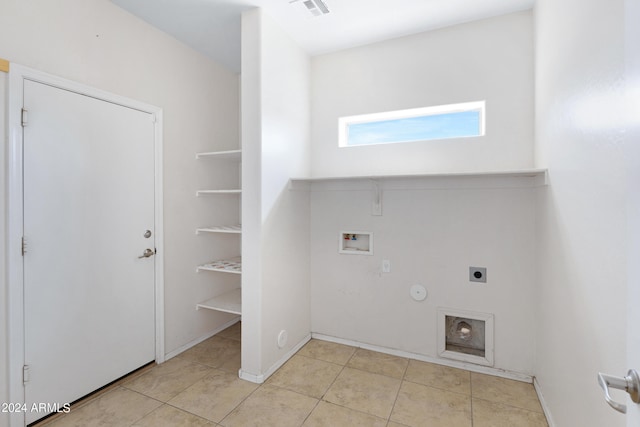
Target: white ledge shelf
{"x": 210, "y": 192}
{"x": 488, "y": 179}
{"x": 230, "y": 229}
{"x": 229, "y": 154}
{"x": 229, "y": 302}
{"x": 223, "y": 265}
{"x": 523, "y": 173}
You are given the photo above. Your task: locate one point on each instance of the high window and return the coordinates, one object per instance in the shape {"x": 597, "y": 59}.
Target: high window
{"x": 417, "y": 124}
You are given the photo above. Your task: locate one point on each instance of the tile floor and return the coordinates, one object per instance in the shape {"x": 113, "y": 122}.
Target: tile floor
{"x": 324, "y": 384}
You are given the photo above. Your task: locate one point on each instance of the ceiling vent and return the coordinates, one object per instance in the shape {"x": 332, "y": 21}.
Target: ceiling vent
{"x": 315, "y": 7}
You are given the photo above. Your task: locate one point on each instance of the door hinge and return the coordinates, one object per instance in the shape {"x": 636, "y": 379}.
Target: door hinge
{"x": 25, "y": 117}
{"x": 24, "y": 246}
{"x": 26, "y": 374}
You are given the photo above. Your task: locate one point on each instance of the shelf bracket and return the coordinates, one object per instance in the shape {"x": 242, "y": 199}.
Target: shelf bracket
{"x": 376, "y": 203}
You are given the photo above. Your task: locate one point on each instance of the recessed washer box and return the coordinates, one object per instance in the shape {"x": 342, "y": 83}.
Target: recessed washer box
{"x": 355, "y": 242}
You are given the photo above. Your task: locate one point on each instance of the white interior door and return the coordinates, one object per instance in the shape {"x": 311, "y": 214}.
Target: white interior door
{"x": 88, "y": 200}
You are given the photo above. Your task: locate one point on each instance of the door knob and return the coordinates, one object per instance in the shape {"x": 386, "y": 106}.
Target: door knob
{"x": 147, "y": 253}
{"x": 630, "y": 384}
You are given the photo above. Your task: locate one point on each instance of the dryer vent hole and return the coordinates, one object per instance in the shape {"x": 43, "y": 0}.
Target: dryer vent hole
{"x": 464, "y": 335}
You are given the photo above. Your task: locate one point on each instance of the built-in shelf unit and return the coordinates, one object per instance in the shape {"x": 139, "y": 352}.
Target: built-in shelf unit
{"x": 229, "y": 154}
{"x": 230, "y": 229}
{"x": 229, "y": 301}
{"x": 204, "y": 192}
{"x": 233, "y": 266}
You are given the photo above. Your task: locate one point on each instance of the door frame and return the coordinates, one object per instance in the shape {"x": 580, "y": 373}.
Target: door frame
{"x": 15, "y": 218}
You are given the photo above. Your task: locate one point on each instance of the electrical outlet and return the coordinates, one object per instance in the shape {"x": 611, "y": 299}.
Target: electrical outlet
{"x": 478, "y": 274}
{"x": 386, "y": 266}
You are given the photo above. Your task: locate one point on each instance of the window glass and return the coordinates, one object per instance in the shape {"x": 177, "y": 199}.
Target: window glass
{"x": 420, "y": 124}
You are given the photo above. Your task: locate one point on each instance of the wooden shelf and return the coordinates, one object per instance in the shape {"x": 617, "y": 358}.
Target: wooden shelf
{"x": 233, "y": 266}
{"x": 229, "y": 154}
{"x": 207, "y": 192}
{"x": 229, "y": 302}
{"x": 230, "y": 229}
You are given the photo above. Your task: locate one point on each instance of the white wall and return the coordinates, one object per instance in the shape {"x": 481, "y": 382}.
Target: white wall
{"x": 251, "y": 125}
{"x": 488, "y": 60}
{"x": 96, "y": 43}
{"x": 275, "y": 143}
{"x": 432, "y": 231}
{"x": 582, "y": 231}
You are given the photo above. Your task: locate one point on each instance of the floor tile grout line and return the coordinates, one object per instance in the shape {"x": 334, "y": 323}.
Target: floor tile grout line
{"x": 258, "y": 388}
{"x": 205, "y": 375}
{"x": 501, "y": 402}
{"x": 438, "y": 388}
{"x": 471, "y": 396}
{"x": 302, "y": 394}
{"x": 379, "y": 373}
{"x": 509, "y": 405}
{"x": 148, "y": 413}
{"x": 311, "y": 412}
{"x": 471, "y": 404}
{"x": 241, "y": 402}
{"x": 406, "y": 368}
{"x": 309, "y": 357}
{"x": 275, "y": 386}
{"x": 336, "y": 378}
{"x": 132, "y": 391}
{"x": 176, "y": 394}
{"x": 321, "y": 399}
{"x": 395, "y": 401}
{"x": 346, "y": 365}
{"x": 331, "y": 385}
{"x": 83, "y": 401}
{"x": 191, "y": 413}
{"x": 374, "y": 373}
{"x": 218, "y": 367}
{"x": 168, "y": 402}
{"x": 402, "y": 380}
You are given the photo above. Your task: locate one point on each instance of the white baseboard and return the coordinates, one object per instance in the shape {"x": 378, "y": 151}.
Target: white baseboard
{"x": 259, "y": 379}
{"x": 198, "y": 340}
{"x": 451, "y": 363}
{"x": 543, "y": 403}
{"x": 253, "y": 378}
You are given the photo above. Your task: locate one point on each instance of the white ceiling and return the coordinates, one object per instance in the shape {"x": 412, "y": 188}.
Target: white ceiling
{"x": 213, "y": 26}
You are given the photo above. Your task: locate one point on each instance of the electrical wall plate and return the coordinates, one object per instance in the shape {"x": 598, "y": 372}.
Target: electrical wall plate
{"x": 478, "y": 274}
